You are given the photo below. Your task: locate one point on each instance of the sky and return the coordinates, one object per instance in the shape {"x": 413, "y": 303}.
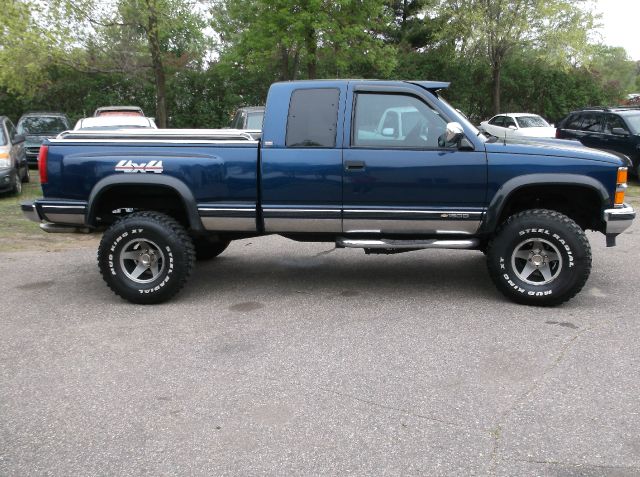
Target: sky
{"x": 620, "y": 21}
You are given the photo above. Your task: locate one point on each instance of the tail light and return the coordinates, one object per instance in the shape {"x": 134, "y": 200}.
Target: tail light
{"x": 621, "y": 186}
{"x": 558, "y": 133}
{"x": 42, "y": 163}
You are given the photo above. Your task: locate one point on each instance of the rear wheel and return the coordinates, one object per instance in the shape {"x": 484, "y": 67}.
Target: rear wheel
{"x": 539, "y": 257}
{"x": 146, "y": 257}
{"x": 25, "y": 176}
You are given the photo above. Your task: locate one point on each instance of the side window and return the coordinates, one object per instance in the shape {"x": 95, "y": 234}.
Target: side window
{"x": 592, "y": 122}
{"x": 393, "y": 120}
{"x": 313, "y": 118}
{"x": 574, "y": 122}
{"x": 497, "y": 121}
{"x": 509, "y": 122}
{"x": 614, "y": 121}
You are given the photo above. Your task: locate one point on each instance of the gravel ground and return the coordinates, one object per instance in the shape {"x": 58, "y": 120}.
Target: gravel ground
{"x": 281, "y": 358}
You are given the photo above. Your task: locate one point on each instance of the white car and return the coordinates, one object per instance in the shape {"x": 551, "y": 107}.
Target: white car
{"x": 518, "y": 125}
{"x": 112, "y": 122}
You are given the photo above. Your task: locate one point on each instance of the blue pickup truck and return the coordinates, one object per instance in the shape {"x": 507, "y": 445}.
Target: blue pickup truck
{"x": 385, "y": 166}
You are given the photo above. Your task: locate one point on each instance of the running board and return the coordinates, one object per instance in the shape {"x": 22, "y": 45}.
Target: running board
{"x": 343, "y": 242}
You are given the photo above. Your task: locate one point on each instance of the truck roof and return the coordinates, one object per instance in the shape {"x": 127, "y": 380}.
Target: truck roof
{"x": 428, "y": 85}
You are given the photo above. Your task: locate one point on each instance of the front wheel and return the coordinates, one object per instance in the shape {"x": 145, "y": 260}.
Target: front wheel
{"x": 17, "y": 184}
{"x": 146, "y": 257}
{"x": 539, "y": 257}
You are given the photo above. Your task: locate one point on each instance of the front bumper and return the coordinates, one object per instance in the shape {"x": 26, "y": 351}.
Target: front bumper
{"x": 618, "y": 220}
{"x": 57, "y": 216}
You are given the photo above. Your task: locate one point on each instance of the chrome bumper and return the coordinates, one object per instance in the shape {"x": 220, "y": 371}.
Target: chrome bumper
{"x": 63, "y": 218}
{"x": 30, "y": 212}
{"x": 618, "y": 220}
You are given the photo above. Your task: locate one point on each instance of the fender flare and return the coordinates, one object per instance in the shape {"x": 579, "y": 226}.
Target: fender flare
{"x": 172, "y": 183}
{"x": 501, "y": 197}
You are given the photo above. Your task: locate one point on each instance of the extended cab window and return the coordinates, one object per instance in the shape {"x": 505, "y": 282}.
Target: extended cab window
{"x": 394, "y": 120}
{"x": 313, "y": 118}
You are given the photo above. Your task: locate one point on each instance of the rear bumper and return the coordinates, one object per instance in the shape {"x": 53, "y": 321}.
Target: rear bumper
{"x": 618, "y": 220}
{"x": 57, "y": 216}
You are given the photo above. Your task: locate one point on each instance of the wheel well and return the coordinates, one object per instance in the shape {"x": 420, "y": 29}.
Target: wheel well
{"x": 582, "y": 204}
{"x": 119, "y": 200}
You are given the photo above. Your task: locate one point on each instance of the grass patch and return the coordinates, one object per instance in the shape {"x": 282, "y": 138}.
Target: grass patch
{"x": 633, "y": 193}
{"x": 18, "y": 233}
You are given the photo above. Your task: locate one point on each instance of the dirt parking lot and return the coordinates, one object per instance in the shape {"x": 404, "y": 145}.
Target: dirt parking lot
{"x": 295, "y": 359}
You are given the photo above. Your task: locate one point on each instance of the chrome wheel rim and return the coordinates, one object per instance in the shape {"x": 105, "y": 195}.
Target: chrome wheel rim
{"x": 142, "y": 261}
{"x": 536, "y": 261}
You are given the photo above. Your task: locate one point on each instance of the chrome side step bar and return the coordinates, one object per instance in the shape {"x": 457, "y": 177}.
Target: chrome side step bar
{"x": 64, "y": 229}
{"x": 343, "y": 242}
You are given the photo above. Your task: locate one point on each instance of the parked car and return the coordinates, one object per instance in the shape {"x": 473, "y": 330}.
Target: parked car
{"x": 114, "y": 122}
{"x": 322, "y": 173}
{"x": 38, "y": 126}
{"x": 517, "y": 125}
{"x": 118, "y": 111}
{"x": 610, "y": 129}
{"x": 14, "y": 169}
{"x": 249, "y": 117}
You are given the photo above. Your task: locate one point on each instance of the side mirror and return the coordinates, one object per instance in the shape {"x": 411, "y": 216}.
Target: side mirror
{"x": 388, "y": 132}
{"x": 454, "y": 133}
{"x": 18, "y": 138}
{"x": 619, "y": 132}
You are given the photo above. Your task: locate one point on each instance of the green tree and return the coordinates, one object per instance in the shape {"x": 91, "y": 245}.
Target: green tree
{"x": 306, "y": 38}
{"x": 139, "y": 37}
{"x": 494, "y": 29}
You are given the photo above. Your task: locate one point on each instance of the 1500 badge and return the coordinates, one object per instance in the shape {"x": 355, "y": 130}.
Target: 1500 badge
{"x": 143, "y": 167}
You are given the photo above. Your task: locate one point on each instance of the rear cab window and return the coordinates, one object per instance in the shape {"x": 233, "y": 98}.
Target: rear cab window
{"x": 313, "y": 118}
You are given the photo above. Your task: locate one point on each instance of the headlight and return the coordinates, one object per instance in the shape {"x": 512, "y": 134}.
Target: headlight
{"x": 5, "y": 163}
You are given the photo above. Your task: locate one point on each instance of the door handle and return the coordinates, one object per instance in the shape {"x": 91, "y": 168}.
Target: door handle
{"x": 354, "y": 165}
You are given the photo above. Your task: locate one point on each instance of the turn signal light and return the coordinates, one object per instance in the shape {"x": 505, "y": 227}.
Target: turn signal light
{"x": 42, "y": 163}
{"x": 621, "y": 186}
{"x": 622, "y": 175}
{"x": 4, "y": 155}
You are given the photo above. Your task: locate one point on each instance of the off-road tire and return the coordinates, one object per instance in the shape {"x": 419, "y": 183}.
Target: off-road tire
{"x": 550, "y": 234}
{"x": 171, "y": 250}
{"x": 207, "y": 248}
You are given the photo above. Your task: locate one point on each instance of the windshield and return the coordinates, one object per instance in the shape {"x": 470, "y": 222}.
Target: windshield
{"x": 254, "y": 120}
{"x": 42, "y": 125}
{"x": 633, "y": 120}
{"x": 532, "y": 122}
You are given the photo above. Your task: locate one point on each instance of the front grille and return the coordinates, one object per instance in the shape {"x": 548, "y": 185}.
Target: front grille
{"x": 33, "y": 151}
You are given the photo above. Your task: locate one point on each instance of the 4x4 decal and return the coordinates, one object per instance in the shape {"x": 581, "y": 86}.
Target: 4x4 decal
{"x": 143, "y": 167}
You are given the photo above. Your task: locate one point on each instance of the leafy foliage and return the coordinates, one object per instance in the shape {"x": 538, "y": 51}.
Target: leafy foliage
{"x": 76, "y": 55}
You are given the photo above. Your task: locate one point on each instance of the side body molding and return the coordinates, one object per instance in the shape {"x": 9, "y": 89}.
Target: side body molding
{"x": 501, "y": 197}
{"x": 177, "y": 185}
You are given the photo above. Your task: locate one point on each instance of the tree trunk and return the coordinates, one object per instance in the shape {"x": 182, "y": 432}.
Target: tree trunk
{"x": 284, "y": 64}
{"x": 496, "y": 70}
{"x": 158, "y": 68}
{"x": 312, "y": 51}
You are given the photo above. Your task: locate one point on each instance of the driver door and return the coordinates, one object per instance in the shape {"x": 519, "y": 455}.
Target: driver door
{"x": 406, "y": 180}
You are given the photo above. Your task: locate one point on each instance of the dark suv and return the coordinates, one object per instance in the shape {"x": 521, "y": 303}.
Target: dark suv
{"x": 613, "y": 129}
{"x": 36, "y": 127}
